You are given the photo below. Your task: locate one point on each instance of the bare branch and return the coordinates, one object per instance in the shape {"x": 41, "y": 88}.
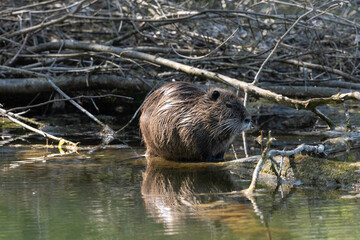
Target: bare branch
{"x": 22, "y": 71}
{"x": 44, "y": 25}
{"x": 61, "y": 141}
{"x": 277, "y": 98}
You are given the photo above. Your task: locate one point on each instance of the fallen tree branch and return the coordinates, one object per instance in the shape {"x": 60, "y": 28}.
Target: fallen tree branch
{"x": 61, "y": 141}
{"x": 77, "y": 82}
{"x": 24, "y": 119}
{"x": 322, "y": 68}
{"x": 340, "y": 85}
{"x": 305, "y": 91}
{"x": 303, "y": 147}
{"x": 50, "y": 81}
{"x": 328, "y": 121}
{"x": 310, "y": 104}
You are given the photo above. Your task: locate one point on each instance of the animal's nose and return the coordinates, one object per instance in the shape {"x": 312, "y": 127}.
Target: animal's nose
{"x": 247, "y": 120}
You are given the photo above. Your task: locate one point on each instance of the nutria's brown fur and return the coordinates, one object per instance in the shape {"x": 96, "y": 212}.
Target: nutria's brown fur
{"x": 183, "y": 122}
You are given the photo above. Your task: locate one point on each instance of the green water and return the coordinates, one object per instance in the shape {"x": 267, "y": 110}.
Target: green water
{"x": 102, "y": 195}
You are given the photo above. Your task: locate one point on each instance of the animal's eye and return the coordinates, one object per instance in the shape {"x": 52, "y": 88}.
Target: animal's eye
{"x": 215, "y": 95}
{"x": 228, "y": 105}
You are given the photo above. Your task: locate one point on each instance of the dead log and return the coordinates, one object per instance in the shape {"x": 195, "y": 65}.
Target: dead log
{"x": 81, "y": 82}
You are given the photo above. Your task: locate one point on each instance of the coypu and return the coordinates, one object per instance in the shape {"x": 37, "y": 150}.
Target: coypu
{"x": 183, "y": 122}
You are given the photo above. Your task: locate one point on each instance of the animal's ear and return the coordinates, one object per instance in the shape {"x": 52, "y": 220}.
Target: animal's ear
{"x": 214, "y": 95}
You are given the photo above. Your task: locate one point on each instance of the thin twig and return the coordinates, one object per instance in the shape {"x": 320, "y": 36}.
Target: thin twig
{"x": 328, "y": 121}
{"x": 18, "y": 52}
{"x": 256, "y": 78}
{"x": 208, "y": 54}
{"x": 46, "y": 24}
{"x": 264, "y": 156}
{"x": 137, "y": 111}
{"x": 349, "y": 126}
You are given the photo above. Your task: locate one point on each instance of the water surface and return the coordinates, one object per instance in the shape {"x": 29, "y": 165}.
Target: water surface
{"x": 104, "y": 195}
{"x": 113, "y": 193}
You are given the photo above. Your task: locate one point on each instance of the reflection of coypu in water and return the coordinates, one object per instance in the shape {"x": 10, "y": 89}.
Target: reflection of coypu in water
{"x": 176, "y": 193}
{"x": 170, "y": 191}
{"x": 181, "y": 121}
